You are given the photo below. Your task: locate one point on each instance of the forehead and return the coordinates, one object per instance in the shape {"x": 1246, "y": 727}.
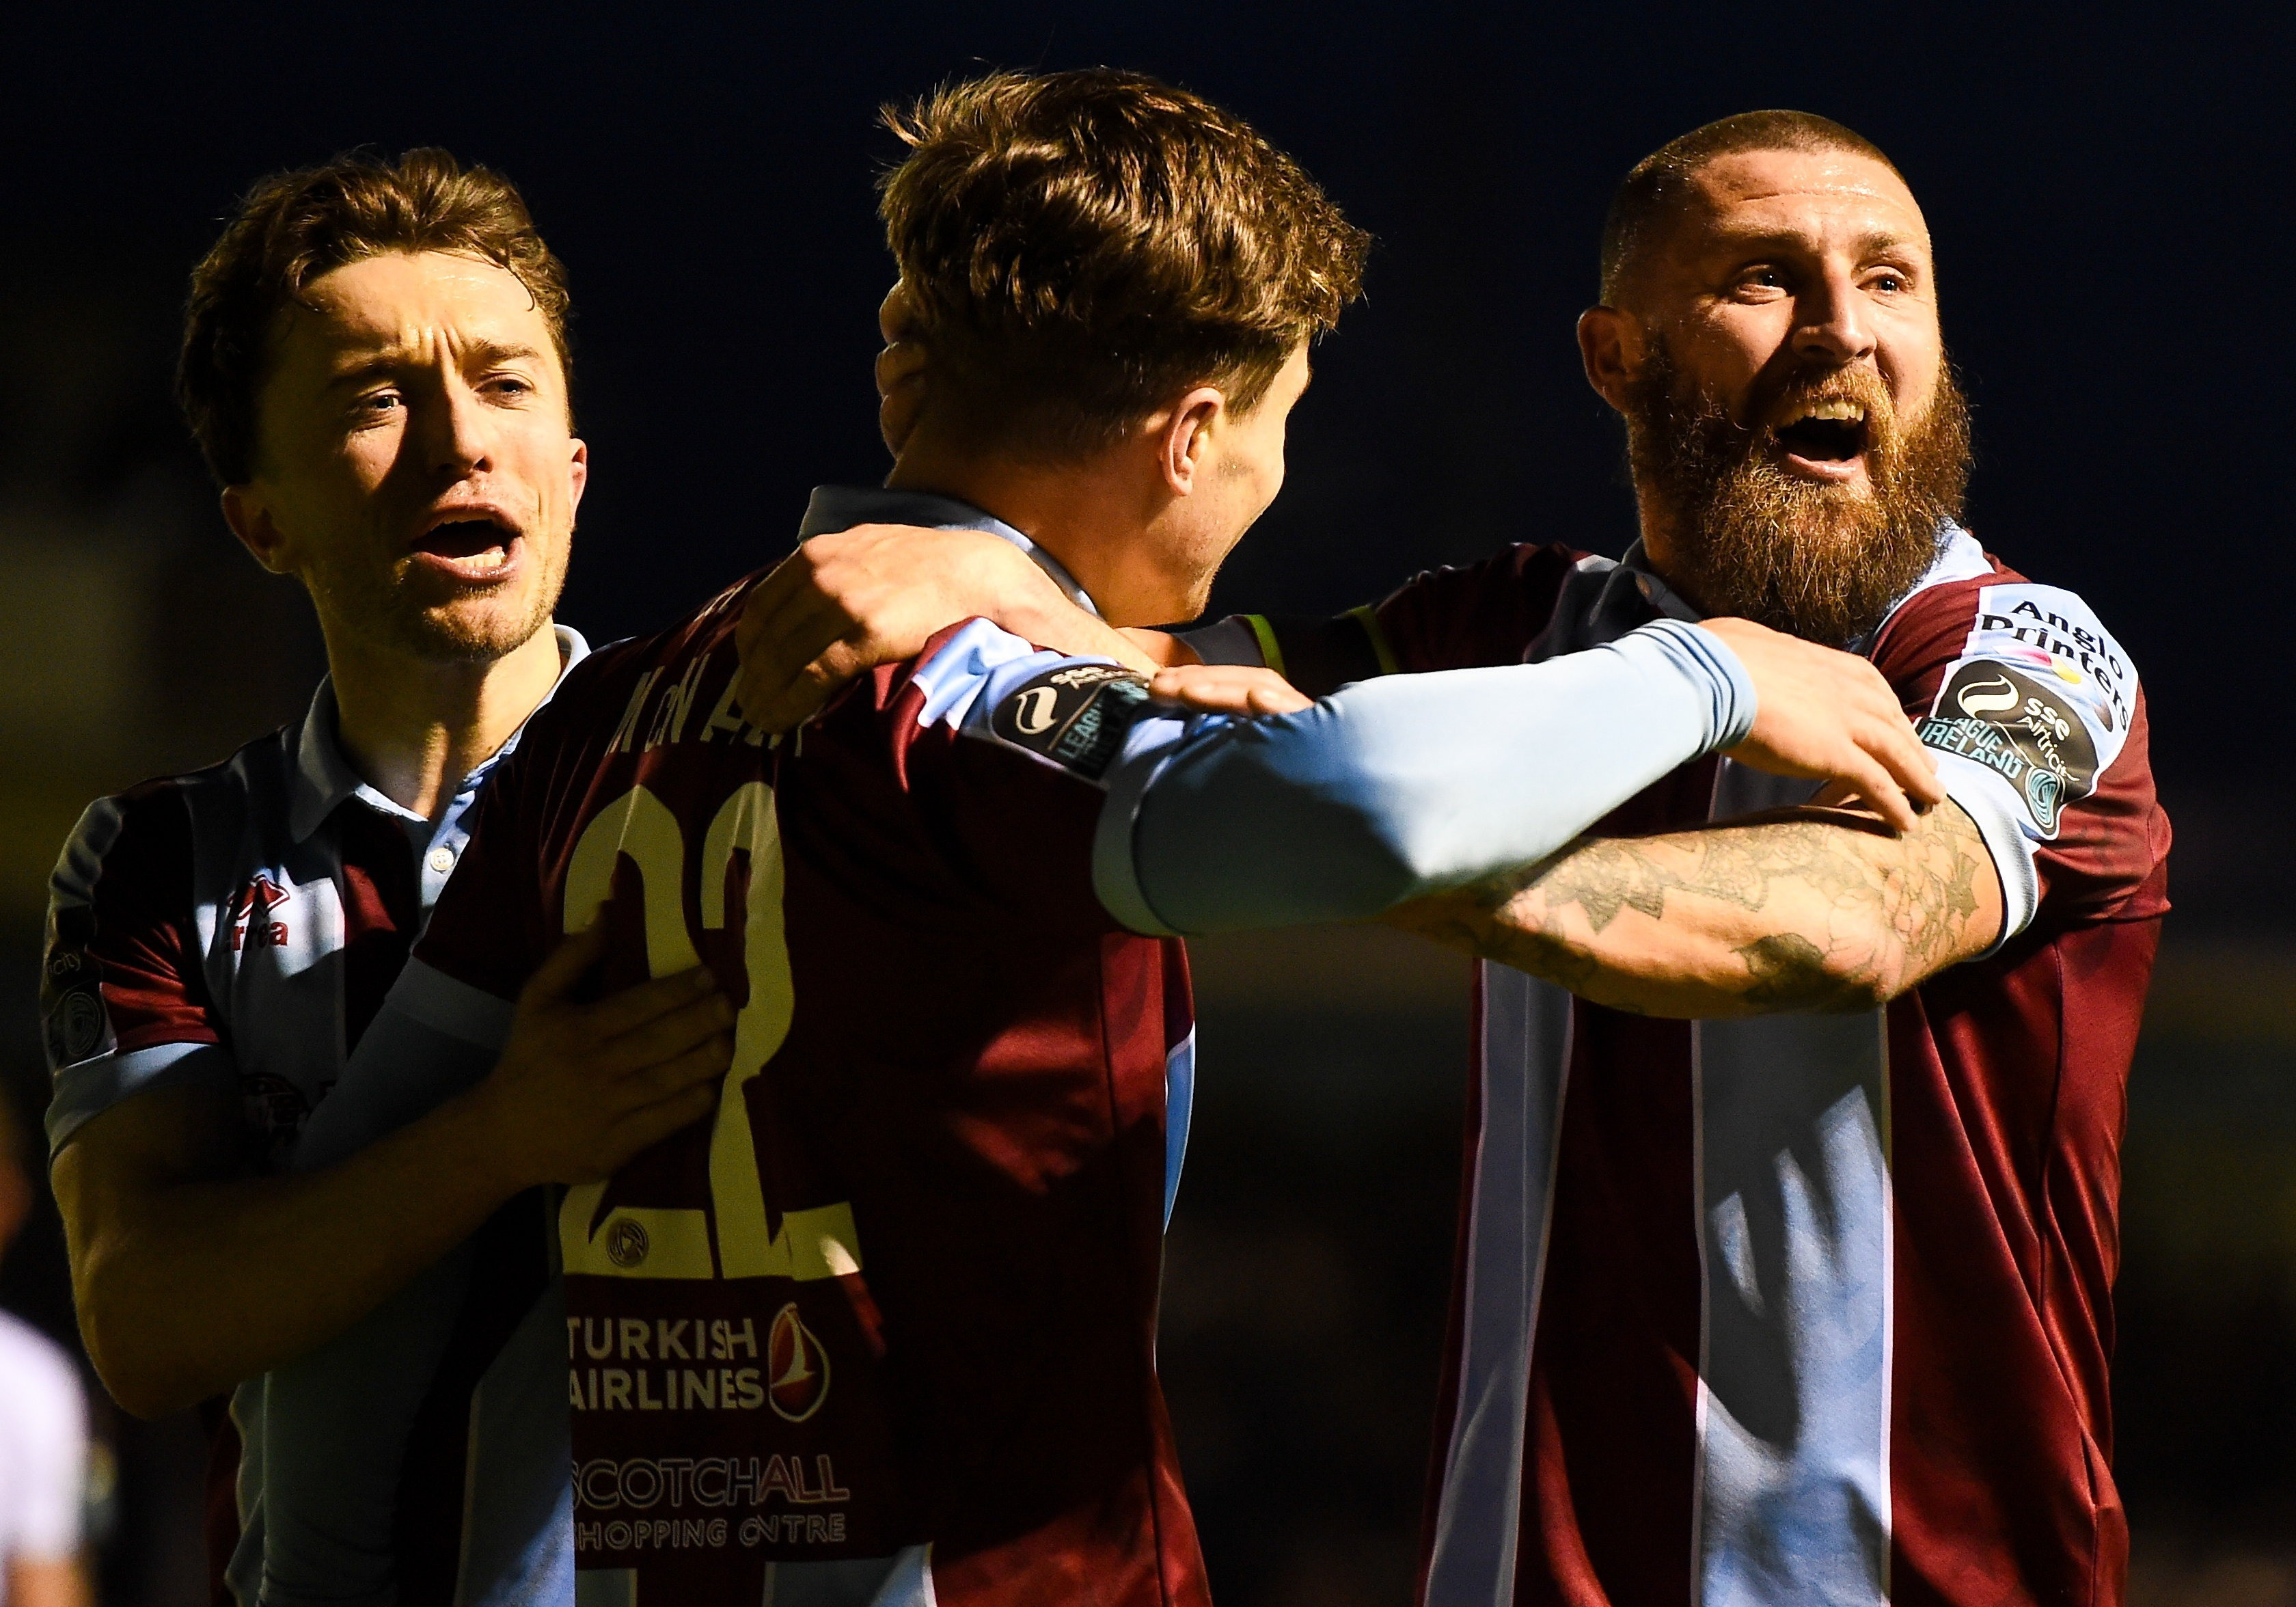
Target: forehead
{"x": 1822, "y": 198}
{"x": 405, "y": 301}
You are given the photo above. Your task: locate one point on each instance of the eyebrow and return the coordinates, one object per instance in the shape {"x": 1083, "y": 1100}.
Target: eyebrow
{"x": 1872, "y": 243}
{"x": 478, "y": 353}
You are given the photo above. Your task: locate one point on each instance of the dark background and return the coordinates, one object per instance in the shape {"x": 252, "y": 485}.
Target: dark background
{"x": 2110, "y": 192}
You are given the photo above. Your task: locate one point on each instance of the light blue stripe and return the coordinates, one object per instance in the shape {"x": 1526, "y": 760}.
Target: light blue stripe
{"x": 1179, "y": 1104}
{"x": 953, "y": 679}
{"x": 1526, "y": 1057}
{"x": 1794, "y": 1226}
{"x": 94, "y": 1085}
{"x": 518, "y": 1498}
{"x": 451, "y": 1006}
{"x": 1794, "y": 1442}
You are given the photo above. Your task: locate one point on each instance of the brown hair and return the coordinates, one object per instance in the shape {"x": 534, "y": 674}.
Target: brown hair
{"x": 293, "y": 228}
{"x": 1082, "y": 246}
{"x": 1659, "y": 183}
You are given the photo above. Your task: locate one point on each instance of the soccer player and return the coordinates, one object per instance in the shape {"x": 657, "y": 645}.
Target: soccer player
{"x": 1804, "y": 1294}
{"x": 884, "y": 1330}
{"x": 374, "y": 366}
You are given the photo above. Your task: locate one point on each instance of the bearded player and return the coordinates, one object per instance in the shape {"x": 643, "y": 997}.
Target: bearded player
{"x": 1804, "y": 1294}
{"x": 884, "y": 1330}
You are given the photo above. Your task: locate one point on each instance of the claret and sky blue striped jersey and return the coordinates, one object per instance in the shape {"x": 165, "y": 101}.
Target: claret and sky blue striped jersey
{"x": 238, "y": 928}
{"x": 1803, "y": 1309}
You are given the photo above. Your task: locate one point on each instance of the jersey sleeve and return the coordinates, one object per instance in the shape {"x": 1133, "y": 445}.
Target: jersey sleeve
{"x": 1005, "y": 751}
{"x": 124, "y": 997}
{"x": 2036, "y": 719}
{"x": 1472, "y": 616}
{"x": 1406, "y": 785}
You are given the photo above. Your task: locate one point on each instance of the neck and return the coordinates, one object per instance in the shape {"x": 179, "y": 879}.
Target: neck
{"x": 1661, "y": 546}
{"x": 1089, "y": 515}
{"x": 412, "y": 727}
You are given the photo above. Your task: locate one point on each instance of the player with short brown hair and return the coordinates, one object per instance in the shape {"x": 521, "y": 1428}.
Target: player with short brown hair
{"x": 374, "y": 365}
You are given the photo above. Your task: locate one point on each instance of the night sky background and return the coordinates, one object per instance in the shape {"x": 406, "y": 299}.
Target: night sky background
{"x": 2110, "y": 192}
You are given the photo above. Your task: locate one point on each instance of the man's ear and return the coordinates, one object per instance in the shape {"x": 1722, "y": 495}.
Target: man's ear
{"x": 578, "y": 473}
{"x": 1609, "y": 349}
{"x": 1186, "y": 439}
{"x": 248, "y": 513}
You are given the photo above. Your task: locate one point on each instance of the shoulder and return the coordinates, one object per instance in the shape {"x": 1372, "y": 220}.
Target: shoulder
{"x": 2027, "y": 698}
{"x": 642, "y": 692}
{"x": 977, "y": 683}
{"x": 1485, "y": 613}
{"x": 147, "y": 840}
{"x": 2005, "y": 617}
{"x": 1538, "y": 566}
{"x": 1999, "y": 642}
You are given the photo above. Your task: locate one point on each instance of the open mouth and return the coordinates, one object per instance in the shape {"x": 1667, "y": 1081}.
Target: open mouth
{"x": 1829, "y": 437}
{"x": 471, "y": 546}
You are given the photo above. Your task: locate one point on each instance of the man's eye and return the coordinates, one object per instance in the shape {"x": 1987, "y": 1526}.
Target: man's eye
{"x": 510, "y": 386}
{"x": 377, "y": 404}
{"x": 1763, "y": 278}
{"x": 1889, "y": 284}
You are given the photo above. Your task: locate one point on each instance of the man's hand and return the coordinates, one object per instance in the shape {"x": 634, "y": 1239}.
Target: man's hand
{"x": 841, "y": 604}
{"x": 1228, "y": 689}
{"x": 580, "y": 1089}
{"x": 1830, "y": 714}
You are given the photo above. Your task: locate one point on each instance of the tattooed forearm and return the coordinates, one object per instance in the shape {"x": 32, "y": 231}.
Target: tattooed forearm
{"x": 1819, "y": 910}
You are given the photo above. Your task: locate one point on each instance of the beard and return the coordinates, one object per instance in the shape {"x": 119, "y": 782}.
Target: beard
{"x": 431, "y": 620}
{"x": 1821, "y": 561}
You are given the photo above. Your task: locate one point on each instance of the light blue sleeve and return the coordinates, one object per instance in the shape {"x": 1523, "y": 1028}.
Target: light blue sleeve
{"x": 1396, "y": 787}
{"x": 337, "y": 1421}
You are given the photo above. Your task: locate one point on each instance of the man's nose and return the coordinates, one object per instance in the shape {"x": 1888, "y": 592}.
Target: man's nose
{"x": 1832, "y": 322}
{"x": 461, "y": 436}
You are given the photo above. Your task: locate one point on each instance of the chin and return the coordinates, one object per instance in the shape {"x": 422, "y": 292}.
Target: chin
{"x": 472, "y": 632}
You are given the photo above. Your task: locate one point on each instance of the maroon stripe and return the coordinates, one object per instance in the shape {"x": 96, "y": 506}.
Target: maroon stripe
{"x": 382, "y": 904}
{"x": 509, "y": 1275}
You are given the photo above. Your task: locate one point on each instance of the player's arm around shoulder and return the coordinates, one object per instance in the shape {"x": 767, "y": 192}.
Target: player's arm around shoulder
{"x": 1811, "y": 909}
{"x": 2025, "y": 704}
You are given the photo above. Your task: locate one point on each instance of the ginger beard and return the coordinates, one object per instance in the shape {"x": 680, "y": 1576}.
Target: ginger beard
{"x": 1818, "y": 560}
{"x": 436, "y": 619}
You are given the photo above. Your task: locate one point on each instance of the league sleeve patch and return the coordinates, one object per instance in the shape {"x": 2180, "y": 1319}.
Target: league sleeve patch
{"x": 2029, "y": 731}
{"x": 1077, "y": 716}
{"x": 72, "y": 1017}
{"x": 2049, "y": 631}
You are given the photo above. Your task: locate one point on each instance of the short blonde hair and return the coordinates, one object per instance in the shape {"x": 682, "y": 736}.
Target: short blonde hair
{"x": 1082, "y": 246}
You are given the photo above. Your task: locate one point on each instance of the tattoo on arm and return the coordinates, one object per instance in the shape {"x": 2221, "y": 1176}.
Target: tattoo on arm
{"x": 1810, "y": 910}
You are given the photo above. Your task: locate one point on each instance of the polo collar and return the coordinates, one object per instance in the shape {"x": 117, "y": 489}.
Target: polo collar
{"x": 835, "y": 507}
{"x": 323, "y": 776}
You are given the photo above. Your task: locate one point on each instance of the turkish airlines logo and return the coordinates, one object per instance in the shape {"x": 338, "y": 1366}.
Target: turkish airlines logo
{"x": 798, "y": 1366}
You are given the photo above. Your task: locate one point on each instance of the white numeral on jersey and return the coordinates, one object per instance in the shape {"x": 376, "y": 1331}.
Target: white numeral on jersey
{"x": 641, "y": 1241}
